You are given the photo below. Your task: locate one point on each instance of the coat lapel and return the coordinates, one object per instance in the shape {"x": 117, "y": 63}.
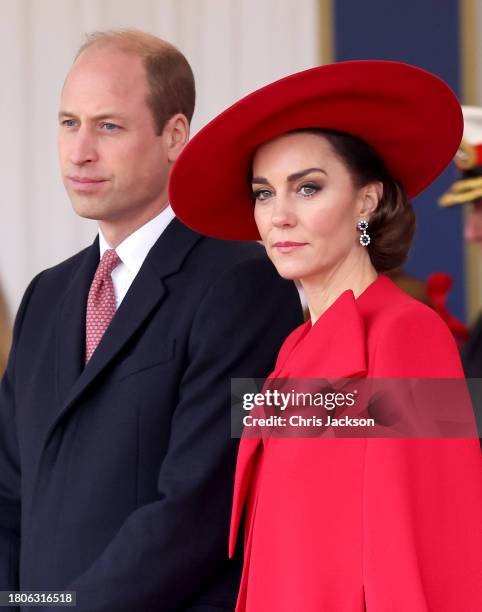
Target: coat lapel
{"x": 146, "y": 292}
{"x": 71, "y": 323}
{"x": 334, "y": 347}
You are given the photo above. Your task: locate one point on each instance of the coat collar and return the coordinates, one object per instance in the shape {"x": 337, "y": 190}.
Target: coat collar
{"x": 334, "y": 347}
{"x": 147, "y": 291}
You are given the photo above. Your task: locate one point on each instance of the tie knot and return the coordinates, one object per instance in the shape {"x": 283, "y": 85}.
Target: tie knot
{"x": 109, "y": 261}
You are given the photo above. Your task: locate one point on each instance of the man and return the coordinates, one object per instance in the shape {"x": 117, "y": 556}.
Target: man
{"x": 468, "y": 190}
{"x": 116, "y": 463}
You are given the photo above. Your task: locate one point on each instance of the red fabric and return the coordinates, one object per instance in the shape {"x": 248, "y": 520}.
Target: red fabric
{"x": 438, "y": 289}
{"x": 101, "y": 302}
{"x": 334, "y": 525}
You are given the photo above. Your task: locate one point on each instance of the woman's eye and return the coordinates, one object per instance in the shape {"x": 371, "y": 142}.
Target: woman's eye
{"x": 309, "y": 189}
{"x": 261, "y": 194}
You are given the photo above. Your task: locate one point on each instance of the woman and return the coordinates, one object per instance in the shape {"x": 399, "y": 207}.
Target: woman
{"x": 325, "y": 160}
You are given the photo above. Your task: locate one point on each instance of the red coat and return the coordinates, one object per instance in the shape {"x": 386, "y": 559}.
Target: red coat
{"x": 334, "y": 525}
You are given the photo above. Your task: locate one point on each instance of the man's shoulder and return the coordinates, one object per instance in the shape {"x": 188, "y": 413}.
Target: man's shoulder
{"x": 47, "y": 288}
{"x": 235, "y": 263}
{"x": 226, "y": 253}
{"x": 212, "y": 259}
{"x": 199, "y": 257}
{"x": 60, "y": 273}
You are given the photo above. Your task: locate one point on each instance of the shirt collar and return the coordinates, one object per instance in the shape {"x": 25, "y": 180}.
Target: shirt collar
{"x": 134, "y": 249}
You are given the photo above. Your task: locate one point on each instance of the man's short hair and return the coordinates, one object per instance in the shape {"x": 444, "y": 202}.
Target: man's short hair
{"x": 169, "y": 75}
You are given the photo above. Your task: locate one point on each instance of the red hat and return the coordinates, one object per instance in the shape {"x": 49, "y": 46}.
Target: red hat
{"x": 409, "y": 116}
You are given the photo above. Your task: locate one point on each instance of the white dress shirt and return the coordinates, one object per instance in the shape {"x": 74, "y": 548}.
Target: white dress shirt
{"x": 133, "y": 251}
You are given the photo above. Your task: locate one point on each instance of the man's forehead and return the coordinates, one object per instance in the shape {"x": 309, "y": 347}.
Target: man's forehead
{"x": 112, "y": 65}
{"x": 106, "y": 52}
{"x": 106, "y": 79}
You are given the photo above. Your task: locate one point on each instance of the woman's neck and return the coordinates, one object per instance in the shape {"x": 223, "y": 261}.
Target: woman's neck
{"x": 322, "y": 289}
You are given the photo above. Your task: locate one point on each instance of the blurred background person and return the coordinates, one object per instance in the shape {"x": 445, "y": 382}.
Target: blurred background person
{"x": 467, "y": 191}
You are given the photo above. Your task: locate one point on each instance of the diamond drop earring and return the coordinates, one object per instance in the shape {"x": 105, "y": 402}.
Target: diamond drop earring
{"x": 362, "y": 225}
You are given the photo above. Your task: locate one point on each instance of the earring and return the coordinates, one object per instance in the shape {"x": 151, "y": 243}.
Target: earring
{"x": 362, "y": 225}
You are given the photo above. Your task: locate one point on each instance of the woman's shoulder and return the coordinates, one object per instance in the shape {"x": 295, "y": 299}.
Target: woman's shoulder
{"x": 392, "y": 306}
{"x": 410, "y": 338}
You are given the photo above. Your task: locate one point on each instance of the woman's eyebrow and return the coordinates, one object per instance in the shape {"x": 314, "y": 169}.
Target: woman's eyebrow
{"x": 301, "y": 173}
{"x": 260, "y": 180}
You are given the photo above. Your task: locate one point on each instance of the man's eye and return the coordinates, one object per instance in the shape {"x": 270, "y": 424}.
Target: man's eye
{"x": 309, "y": 189}
{"x": 68, "y": 123}
{"x": 109, "y": 126}
{"x": 261, "y": 194}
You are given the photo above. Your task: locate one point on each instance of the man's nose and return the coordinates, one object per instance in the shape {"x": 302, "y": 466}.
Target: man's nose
{"x": 84, "y": 149}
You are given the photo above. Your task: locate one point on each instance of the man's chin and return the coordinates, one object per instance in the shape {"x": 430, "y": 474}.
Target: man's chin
{"x": 88, "y": 206}
{"x": 88, "y": 210}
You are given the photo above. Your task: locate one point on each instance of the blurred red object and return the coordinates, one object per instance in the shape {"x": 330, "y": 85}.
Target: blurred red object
{"x": 438, "y": 289}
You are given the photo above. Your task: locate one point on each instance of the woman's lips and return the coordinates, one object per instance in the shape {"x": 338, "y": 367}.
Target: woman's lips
{"x": 288, "y": 246}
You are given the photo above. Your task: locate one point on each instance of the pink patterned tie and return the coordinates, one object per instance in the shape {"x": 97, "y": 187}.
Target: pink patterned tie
{"x": 101, "y": 304}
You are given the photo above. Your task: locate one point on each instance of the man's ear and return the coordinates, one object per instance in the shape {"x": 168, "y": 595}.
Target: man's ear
{"x": 176, "y": 135}
{"x": 370, "y": 196}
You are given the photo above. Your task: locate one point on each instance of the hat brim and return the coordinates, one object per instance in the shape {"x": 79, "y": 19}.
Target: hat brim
{"x": 409, "y": 116}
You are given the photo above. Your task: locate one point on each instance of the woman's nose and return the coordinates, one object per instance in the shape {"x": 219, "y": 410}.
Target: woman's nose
{"x": 282, "y": 213}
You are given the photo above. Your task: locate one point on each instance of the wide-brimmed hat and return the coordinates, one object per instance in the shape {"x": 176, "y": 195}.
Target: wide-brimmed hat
{"x": 409, "y": 116}
{"x": 468, "y": 160}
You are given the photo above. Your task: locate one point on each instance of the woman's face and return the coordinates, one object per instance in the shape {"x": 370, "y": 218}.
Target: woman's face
{"x": 306, "y": 206}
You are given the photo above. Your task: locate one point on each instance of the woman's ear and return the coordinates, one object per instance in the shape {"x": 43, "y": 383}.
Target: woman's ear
{"x": 371, "y": 194}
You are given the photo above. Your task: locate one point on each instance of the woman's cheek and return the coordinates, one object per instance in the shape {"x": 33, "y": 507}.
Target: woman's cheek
{"x": 262, "y": 221}
{"x": 326, "y": 217}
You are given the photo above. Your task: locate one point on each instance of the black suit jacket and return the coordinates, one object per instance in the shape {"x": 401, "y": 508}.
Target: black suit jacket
{"x": 116, "y": 479}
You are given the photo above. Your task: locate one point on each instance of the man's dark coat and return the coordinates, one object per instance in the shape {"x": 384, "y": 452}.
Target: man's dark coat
{"x": 116, "y": 479}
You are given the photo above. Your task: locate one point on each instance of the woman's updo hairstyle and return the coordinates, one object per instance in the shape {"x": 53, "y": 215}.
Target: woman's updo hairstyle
{"x": 392, "y": 224}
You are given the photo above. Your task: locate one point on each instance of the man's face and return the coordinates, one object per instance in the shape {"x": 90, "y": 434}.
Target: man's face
{"x": 114, "y": 166}
{"x": 473, "y": 223}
